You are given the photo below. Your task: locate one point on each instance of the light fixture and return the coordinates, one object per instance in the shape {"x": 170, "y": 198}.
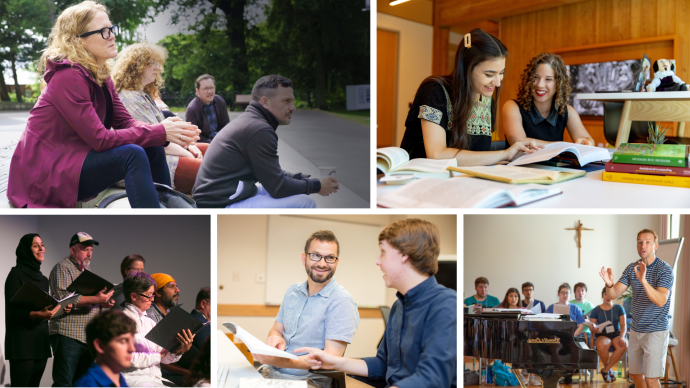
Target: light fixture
{"x": 396, "y": 2}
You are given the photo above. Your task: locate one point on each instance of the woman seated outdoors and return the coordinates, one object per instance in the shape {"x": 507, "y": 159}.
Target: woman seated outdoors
{"x": 611, "y": 335}
{"x": 67, "y": 152}
{"x": 453, "y": 116}
{"x": 138, "y": 78}
{"x": 138, "y": 289}
{"x": 541, "y": 111}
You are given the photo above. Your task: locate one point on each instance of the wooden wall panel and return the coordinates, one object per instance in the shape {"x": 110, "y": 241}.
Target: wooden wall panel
{"x": 386, "y": 70}
{"x": 593, "y": 22}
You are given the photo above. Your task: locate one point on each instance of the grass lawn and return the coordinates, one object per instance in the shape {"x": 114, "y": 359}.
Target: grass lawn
{"x": 358, "y": 116}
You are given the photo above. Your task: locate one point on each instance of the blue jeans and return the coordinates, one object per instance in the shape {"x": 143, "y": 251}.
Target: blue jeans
{"x": 71, "y": 359}
{"x": 139, "y": 167}
{"x": 264, "y": 200}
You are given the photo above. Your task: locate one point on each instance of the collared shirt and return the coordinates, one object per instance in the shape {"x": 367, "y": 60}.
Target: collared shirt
{"x": 95, "y": 377}
{"x": 330, "y": 314}
{"x": 209, "y": 111}
{"x": 647, "y": 317}
{"x": 419, "y": 347}
{"x": 71, "y": 325}
{"x": 550, "y": 128}
{"x": 155, "y": 314}
{"x": 537, "y": 118}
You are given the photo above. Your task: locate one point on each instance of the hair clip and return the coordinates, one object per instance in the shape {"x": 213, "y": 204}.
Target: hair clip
{"x": 468, "y": 40}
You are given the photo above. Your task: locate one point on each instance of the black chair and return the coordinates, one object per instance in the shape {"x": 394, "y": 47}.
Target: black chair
{"x": 639, "y": 130}
{"x": 385, "y": 313}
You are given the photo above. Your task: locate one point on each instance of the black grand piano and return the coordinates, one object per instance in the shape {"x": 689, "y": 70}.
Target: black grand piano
{"x": 543, "y": 347}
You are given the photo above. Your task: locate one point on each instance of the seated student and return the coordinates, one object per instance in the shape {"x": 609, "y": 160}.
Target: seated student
{"x": 454, "y": 116}
{"x": 419, "y": 345}
{"x": 138, "y": 78}
{"x": 67, "y": 153}
{"x": 511, "y": 300}
{"x": 528, "y": 292}
{"x": 318, "y": 313}
{"x": 207, "y": 110}
{"x": 541, "y": 111}
{"x": 110, "y": 339}
{"x": 584, "y": 305}
{"x": 241, "y": 167}
{"x": 575, "y": 312}
{"x": 482, "y": 297}
{"x": 613, "y": 334}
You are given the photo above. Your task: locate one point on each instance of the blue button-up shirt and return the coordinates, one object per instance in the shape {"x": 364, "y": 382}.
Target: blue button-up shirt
{"x": 95, "y": 377}
{"x": 330, "y": 314}
{"x": 419, "y": 347}
{"x": 209, "y": 111}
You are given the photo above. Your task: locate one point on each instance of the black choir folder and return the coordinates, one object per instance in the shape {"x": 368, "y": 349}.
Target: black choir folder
{"x": 33, "y": 298}
{"x": 164, "y": 334}
{"x": 89, "y": 284}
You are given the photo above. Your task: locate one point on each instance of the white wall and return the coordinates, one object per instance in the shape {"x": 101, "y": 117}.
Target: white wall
{"x": 414, "y": 62}
{"x": 512, "y": 249}
{"x": 242, "y": 254}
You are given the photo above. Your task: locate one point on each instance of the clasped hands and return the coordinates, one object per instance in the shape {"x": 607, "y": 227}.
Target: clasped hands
{"x": 180, "y": 132}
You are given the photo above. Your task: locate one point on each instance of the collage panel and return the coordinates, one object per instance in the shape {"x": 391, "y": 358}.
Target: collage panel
{"x": 537, "y": 106}
{"x": 185, "y": 104}
{"x": 337, "y": 300}
{"x": 98, "y": 300}
{"x": 584, "y": 299}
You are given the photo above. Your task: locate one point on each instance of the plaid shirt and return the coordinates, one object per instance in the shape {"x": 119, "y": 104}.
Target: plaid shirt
{"x": 210, "y": 113}
{"x": 71, "y": 325}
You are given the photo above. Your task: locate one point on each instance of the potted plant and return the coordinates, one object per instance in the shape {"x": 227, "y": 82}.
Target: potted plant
{"x": 656, "y": 134}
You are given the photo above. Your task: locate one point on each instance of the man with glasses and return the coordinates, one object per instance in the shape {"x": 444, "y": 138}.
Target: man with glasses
{"x": 529, "y": 302}
{"x": 207, "y": 110}
{"x": 317, "y": 313}
{"x": 67, "y": 332}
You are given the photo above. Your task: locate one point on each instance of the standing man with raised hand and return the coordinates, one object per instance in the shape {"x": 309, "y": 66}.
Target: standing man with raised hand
{"x": 318, "y": 313}
{"x": 651, "y": 280}
{"x": 418, "y": 349}
{"x": 67, "y": 332}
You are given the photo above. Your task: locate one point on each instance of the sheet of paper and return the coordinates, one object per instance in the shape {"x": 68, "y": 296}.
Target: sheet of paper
{"x": 255, "y": 345}
{"x": 536, "y": 308}
{"x": 542, "y": 316}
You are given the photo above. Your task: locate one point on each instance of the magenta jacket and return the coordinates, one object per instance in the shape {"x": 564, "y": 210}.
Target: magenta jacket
{"x": 64, "y": 126}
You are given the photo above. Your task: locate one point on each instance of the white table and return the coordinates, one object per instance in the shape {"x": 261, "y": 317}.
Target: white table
{"x": 232, "y": 364}
{"x": 591, "y": 192}
{"x": 646, "y": 106}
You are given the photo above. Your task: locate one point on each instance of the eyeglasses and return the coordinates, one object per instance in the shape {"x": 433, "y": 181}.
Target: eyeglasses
{"x": 564, "y": 292}
{"x": 316, "y": 257}
{"x": 114, "y": 30}
{"x": 151, "y": 297}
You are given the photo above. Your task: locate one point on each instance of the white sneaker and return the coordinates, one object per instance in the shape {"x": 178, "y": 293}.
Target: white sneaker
{"x": 533, "y": 380}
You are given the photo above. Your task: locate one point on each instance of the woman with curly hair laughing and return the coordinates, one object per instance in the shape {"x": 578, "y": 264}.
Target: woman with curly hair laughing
{"x": 541, "y": 111}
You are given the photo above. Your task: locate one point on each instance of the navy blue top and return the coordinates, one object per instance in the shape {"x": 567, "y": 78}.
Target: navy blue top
{"x": 202, "y": 334}
{"x": 95, "y": 377}
{"x": 575, "y": 313}
{"x": 536, "y": 302}
{"x": 419, "y": 347}
{"x": 612, "y": 315}
{"x": 646, "y": 316}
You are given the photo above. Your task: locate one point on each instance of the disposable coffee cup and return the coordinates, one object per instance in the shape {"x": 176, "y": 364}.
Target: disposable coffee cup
{"x": 327, "y": 171}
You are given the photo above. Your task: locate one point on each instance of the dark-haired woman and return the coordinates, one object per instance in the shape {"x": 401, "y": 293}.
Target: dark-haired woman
{"x": 611, "y": 335}
{"x": 453, "y": 116}
{"x": 27, "y": 346}
{"x": 511, "y": 300}
{"x": 541, "y": 111}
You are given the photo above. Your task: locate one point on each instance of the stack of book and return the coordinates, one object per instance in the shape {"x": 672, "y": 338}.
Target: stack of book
{"x": 649, "y": 164}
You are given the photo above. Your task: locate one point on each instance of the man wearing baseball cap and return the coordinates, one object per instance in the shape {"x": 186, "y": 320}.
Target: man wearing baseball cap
{"x": 67, "y": 332}
{"x": 166, "y": 296}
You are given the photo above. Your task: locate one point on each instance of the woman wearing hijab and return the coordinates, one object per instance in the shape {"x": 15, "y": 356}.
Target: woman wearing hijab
{"x": 26, "y": 338}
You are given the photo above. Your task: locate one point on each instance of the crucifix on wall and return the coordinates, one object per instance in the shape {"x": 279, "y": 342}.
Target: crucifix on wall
{"x": 579, "y": 229}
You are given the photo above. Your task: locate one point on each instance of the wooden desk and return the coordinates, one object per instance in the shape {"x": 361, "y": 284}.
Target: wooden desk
{"x": 591, "y": 192}
{"x": 646, "y": 106}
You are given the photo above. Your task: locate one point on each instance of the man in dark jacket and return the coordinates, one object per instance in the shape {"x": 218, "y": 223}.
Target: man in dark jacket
{"x": 241, "y": 168}
{"x": 207, "y": 110}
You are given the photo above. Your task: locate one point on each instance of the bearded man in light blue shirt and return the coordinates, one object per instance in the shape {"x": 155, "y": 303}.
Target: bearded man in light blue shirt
{"x": 317, "y": 313}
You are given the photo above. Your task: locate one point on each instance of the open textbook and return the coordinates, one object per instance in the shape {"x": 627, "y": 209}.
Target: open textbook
{"x": 584, "y": 154}
{"x": 254, "y": 344}
{"x": 33, "y": 298}
{"x": 464, "y": 193}
{"x": 534, "y": 173}
{"x": 394, "y": 160}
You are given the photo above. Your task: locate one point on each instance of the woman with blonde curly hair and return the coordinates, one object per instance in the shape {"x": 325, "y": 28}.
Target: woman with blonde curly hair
{"x": 67, "y": 152}
{"x": 454, "y": 116}
{"x": 137, "y": 76}
{"x": 541, "y": 111}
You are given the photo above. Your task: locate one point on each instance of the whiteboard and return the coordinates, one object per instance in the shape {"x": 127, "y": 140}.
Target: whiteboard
{"x": 357, "y": 270}
{"x": 669, "y": 251}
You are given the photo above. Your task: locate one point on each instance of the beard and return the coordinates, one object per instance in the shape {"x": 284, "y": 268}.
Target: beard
{"x": 170, "y": 303}
{"x": 319, "y": 278}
